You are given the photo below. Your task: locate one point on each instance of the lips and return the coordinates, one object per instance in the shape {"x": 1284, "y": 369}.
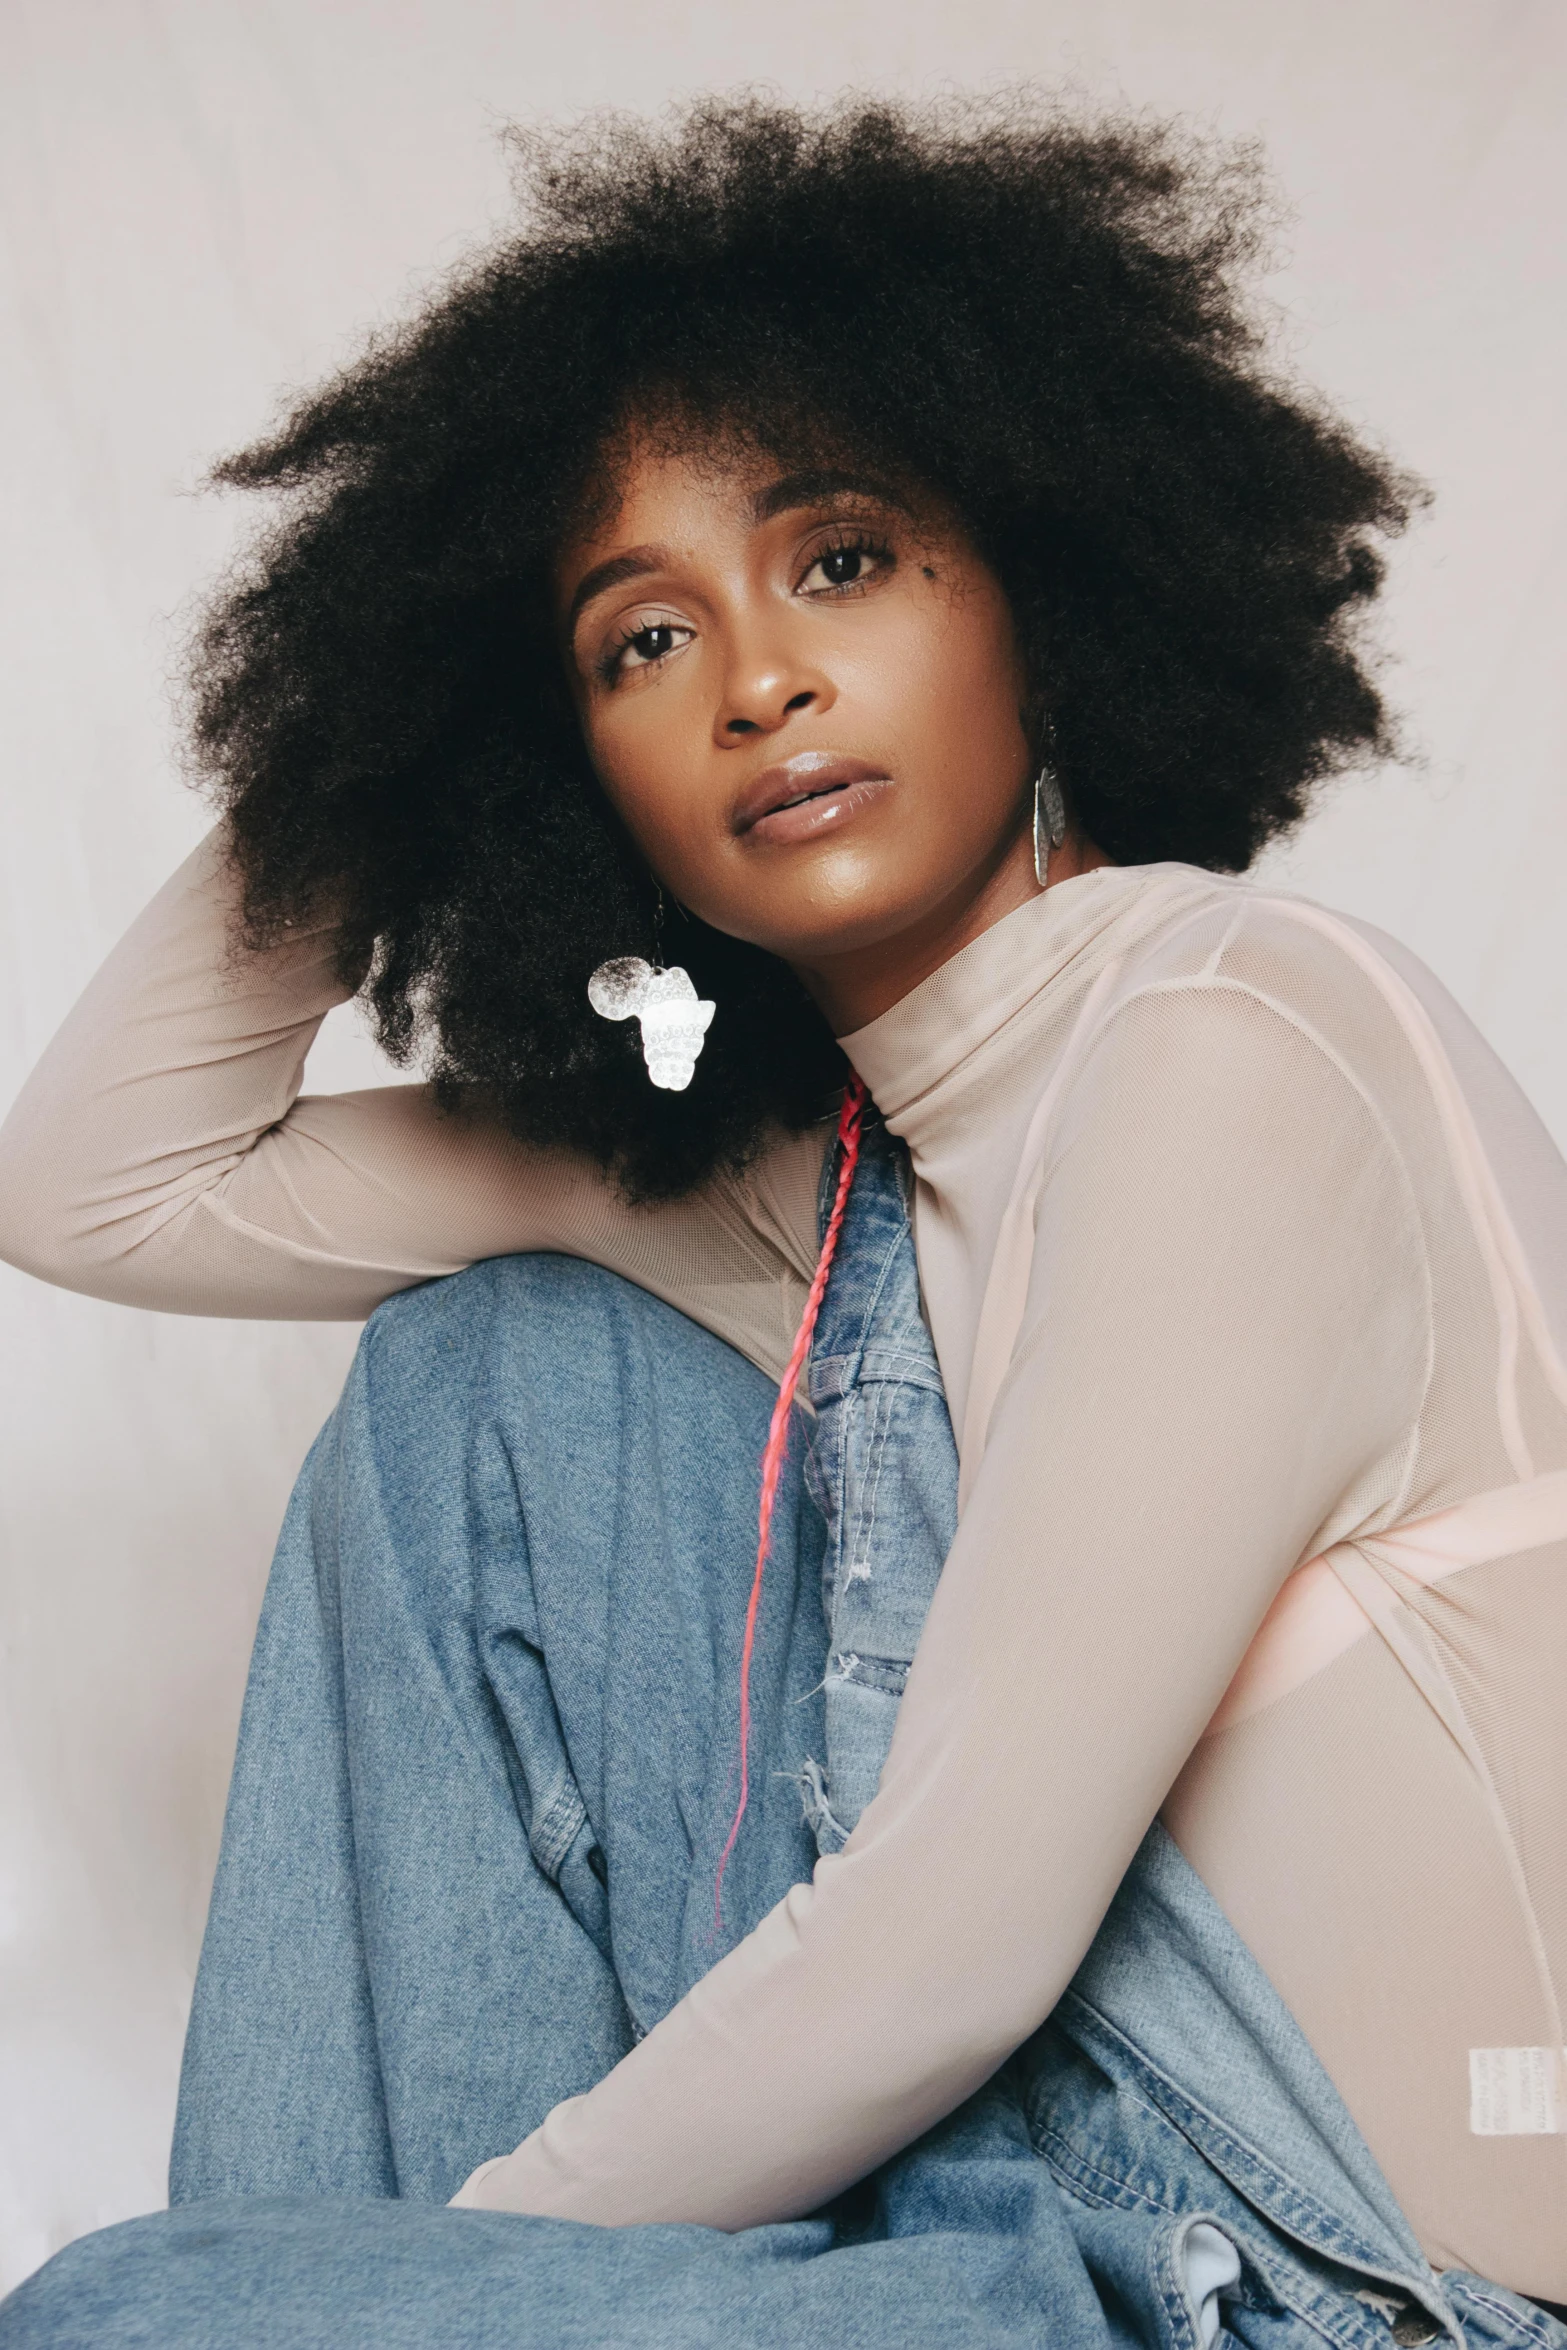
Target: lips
{"x": 795, "y": 786}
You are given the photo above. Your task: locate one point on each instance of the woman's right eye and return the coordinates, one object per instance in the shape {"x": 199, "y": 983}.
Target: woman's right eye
{"x": 645, "y": 647}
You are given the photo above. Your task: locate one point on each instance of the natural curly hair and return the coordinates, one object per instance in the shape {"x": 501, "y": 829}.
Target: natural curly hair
{"x": 1036, "y": 319}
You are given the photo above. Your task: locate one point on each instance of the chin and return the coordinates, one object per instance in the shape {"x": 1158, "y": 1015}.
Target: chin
{"x": 818, "y": 934}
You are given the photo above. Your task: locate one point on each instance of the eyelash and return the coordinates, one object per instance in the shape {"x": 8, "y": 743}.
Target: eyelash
{"x": 845, "y": 541}
{"x": 848, "y": 540}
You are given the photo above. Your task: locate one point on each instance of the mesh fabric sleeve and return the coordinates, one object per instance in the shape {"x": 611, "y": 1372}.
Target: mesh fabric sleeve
{"x": 161, "y": 1155}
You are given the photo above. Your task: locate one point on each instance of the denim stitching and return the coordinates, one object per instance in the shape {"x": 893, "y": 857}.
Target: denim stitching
{"x": 1076, "y": 2170}
{"x": 881, "y": 1400}
{"x": 1264, "y": 2185}
{"x": 1287, "y": 2283}
{"x": 888, "y": 1675}
{"x": 896, "y": 1363}
{"x": 1531, "y": 2324}
{"x": 1291, "y": 2286}
{"x": 851, "y": 1484}
{"x": 556, "y": 1828}
{"x": 1173, "y": 2297}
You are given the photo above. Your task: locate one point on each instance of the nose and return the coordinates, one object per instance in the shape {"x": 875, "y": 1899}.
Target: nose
{"x": 764, "y": 688}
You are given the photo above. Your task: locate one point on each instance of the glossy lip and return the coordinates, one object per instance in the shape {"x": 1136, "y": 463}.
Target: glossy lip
{"x": 784, "y": 802}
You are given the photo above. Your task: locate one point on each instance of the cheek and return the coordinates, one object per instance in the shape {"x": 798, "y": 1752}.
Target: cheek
{"x": 960, "y": 687}
{"x": 645, "y": 751}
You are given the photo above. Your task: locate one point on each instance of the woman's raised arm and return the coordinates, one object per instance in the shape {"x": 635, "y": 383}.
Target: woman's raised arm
{"x": 161, "y": 1155}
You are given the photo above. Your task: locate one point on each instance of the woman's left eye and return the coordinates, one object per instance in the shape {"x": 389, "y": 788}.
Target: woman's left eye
{"x": 853, "y": 564}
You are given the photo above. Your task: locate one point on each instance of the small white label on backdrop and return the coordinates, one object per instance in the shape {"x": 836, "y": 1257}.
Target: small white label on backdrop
{"x": 1518, "y": 2092}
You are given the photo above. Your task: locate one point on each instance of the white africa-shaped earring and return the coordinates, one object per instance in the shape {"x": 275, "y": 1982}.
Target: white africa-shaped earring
{"x": 674, "y": 1017}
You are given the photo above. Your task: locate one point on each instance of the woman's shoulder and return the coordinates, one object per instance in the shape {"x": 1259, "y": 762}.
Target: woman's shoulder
{"x": 1224, "y": 951}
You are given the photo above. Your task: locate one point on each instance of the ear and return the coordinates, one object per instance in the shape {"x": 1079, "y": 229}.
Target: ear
{"x": 618, "y": 989}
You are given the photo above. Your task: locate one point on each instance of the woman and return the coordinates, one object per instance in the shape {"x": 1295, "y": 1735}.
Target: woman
{"x": 866, "y": 566}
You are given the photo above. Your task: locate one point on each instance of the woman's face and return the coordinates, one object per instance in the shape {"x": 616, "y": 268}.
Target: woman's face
{"x": 804, "y": 699}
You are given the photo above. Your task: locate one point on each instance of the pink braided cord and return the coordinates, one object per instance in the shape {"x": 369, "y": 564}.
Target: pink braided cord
{"x": 850, "y": 1122}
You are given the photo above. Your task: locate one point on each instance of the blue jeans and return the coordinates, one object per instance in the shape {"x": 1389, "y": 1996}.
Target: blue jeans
{"x": 485, "y": 1771}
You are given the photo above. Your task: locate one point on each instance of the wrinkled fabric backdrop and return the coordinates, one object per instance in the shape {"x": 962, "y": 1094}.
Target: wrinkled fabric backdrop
{"x": 205, "y": 203}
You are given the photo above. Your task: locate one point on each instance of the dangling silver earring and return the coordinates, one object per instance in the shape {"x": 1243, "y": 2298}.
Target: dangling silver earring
{"x": 674, "y": 1017}
{"x": 1049, "y": 820}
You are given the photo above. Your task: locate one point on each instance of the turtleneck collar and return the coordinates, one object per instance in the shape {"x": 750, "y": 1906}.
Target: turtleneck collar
{"x": 937, "y": 1025}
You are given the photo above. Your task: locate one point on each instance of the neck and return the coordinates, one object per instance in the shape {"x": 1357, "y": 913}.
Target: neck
{"x": 858, "y": 986}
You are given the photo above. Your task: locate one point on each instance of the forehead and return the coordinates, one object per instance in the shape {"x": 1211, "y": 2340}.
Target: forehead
{"x": 650, "y": 486}
{"x": 669, "y": 485}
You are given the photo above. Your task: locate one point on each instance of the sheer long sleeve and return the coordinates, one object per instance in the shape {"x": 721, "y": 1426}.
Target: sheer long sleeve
{"x": 161, "y": 1155}
{"x": 1221, "y": 1356}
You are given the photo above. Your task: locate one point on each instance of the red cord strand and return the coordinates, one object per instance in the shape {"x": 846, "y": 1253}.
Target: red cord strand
{"x": 850, "y": 1123}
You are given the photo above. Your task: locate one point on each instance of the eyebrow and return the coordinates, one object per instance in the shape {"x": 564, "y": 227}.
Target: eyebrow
{"x": 635, "y": 563}
{"x": 814, "y": 488}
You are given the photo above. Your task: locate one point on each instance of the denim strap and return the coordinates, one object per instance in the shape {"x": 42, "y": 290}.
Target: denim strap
{"x": 883, "y": 1471}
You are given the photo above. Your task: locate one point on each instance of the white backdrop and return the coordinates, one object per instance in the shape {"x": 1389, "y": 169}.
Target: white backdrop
{"x": 204, "y": 201}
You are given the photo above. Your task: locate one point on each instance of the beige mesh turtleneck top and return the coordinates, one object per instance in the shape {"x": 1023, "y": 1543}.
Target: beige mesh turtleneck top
{"x": 1246, "y": 1265}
